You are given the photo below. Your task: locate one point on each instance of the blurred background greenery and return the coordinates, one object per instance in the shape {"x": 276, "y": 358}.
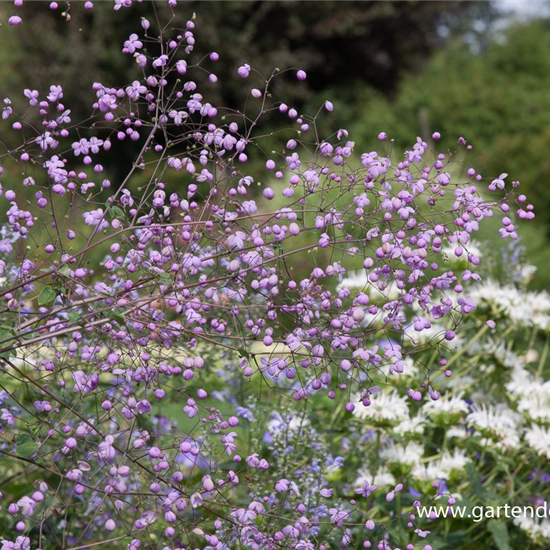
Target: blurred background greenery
{"x": 475, "y": 69}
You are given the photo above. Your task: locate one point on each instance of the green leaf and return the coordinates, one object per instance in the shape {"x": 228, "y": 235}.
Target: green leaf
{"x": 499, "y": 530}
{"x": 243, "y": 353}
{"x": 26, "y": 447}
{"x": 115, "y": 211}
{"x": 166, "y": 279}
{"x": 9, "y": 353}
{"x": 7, "y": 335}
{"x": 47, "y": 295}
{"x": 480, "y": 491}
{"x": 118, "y": 316}
{"x": 74, "y": 318}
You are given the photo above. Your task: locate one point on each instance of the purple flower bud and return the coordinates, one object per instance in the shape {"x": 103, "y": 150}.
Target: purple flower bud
{"x": 244, "y": 71}
{"x": 110, "y": 525}
{"x": 294, "y": 229}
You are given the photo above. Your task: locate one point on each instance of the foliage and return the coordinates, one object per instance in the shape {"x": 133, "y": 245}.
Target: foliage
{"x": 185, "y": 365}
{"x": 336, "y": 45}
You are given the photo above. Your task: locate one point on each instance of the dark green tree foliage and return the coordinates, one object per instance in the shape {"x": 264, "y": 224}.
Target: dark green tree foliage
{"x": 340, "y": 44}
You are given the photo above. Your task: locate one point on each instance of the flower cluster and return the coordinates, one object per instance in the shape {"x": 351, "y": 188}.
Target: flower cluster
{"x": 166, "y": 335}
{"x": 491, "y": 419}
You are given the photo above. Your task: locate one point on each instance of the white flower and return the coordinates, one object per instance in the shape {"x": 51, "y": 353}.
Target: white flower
{"x": 410, "y": 426}
{"x": 522, "y": 307}
{"x": 531, "y": 393}
{"x": 432, "y": 335}
{"x": 499, "y": 422}
{"x": 521, "y": 381}
{"x": 442, "y": 467}
{"x": 536, "y": 405}
{"x": 510, "y": 441}
{"x": 384, "y": 407}
{"x": 457, "y": 432}
{"x": 454, "y": 462}
{"x": 537, "y": 529}
{"x": 396, "y": 453}
{"x": 448, "y": 406}
{"x": 382, "y": 478}
{"x": 538, "y": 438}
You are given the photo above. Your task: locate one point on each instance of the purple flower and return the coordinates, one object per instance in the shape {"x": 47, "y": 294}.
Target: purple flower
{"x": 32, "y": 95}
{"x": 282, "y": 486}
{"x": 498, "y": 182}
{"x": 15, "y": 20}
{"x": 132, "y": 44}
{"x": 366, "y": 489}
{"x": 56, "y": 93}
{"x": 84, "y": 383}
